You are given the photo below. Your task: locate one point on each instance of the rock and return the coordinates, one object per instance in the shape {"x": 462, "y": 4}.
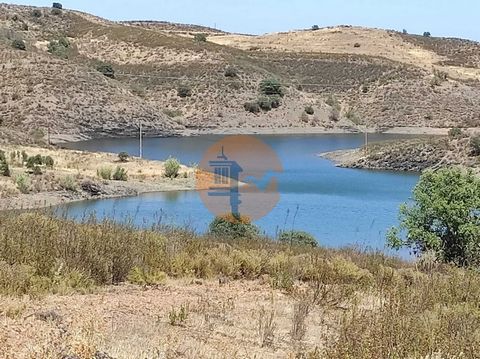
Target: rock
{"x": 91, "y": 188}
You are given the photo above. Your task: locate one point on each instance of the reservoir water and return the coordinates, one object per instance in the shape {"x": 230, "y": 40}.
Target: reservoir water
{"x": 340, "y": 207}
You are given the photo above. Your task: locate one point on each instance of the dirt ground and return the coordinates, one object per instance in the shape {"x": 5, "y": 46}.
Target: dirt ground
{"x": 222, "y": 321}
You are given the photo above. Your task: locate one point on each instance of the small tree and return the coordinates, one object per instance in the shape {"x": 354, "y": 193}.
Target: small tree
{"x": 475, "y": 144}
{"x": 57, "y": 5}
{"x": 315, "y": 27}
{"x": 49, "y": 162}
{"x": 427, "y": 34}
{"x": 172, "y": 167}
{"x": 444, "y": 218}
{"x": 252, "y": 107}
{"x": 106, "y": 69}
{"x": 271, "y": 87}
{"x": 120, "y": 174}
{"x": 232, "y": 227}
{"x": 404, "y": 31}
{"x": 19, "y": 44}
{"x": 200, "y": 37}
{"x": 4, "y": 168}
{"x": 123, "y": 157}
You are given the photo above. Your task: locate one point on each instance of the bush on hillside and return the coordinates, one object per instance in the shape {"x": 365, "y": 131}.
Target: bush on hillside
{"x": 266, "y": 103}
{"x": 59, "y": 47}
{"x": 475, "y": 144}
{"x": 106, "y": 69}
{"x": 123, "y": 157}
{"x": 200, "y": 37}
{"x": 298, "y": 238}
{"x": 4, "y": 168}
{"x": 232, "y": 227}
{"x": 19, "y": 44}
{"x": 184, "y": 91}
{"x": 172, "y": 167}
{"x": 270, "y": 87}
{"x": 231, "y": 71}
{"x": 455, "y": 132}
{"x": 37, "y": 13}
{"x": 315, "y": 27}
{"x": 48, "y": 161}
{"x": 309, "y": 110}
{"x": 56, "y": 12}
{"x": 427, "y": 34}
{"x": 105, "y": 173}
{"x": 252, "y": 107}
{"x": 444, "y": 218}
{"x": 57, "y": 5}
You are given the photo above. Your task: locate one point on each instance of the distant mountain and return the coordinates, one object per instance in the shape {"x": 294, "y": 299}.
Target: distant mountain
{"x": 168, "y": 77}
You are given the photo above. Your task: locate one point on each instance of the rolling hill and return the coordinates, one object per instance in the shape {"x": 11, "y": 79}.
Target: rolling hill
{"x": 175, "y": 83}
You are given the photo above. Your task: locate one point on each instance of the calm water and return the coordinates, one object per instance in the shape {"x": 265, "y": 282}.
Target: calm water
{"x": 339, "y": 206}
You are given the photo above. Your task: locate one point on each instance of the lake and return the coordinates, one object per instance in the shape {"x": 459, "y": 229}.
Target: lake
{"x": 340, "y": 207}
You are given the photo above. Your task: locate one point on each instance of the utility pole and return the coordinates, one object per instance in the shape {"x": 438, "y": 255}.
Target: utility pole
{"x": 141, "y": 139}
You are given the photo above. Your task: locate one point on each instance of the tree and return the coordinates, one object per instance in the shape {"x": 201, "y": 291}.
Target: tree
{"x": 444, "y": 218}
{"x": 271, "y": 87}
{"x": 475, "y": 144}
{"x": 427, "y": 34}
{"x": 232, "y": 227}
{"x": 57, "y": 5}
{"x": 404, "y": 31}
{"x": 298, "y": 238}
{"x": 315, "y": 27}
{"x": 200, "y": 37}
{"x": 123, "y": 156}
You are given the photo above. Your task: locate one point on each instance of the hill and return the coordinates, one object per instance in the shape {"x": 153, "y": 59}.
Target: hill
{"x": 172, "y": 81}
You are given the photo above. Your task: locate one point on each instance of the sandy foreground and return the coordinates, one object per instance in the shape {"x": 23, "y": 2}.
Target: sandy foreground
{"x": 128, "y": 321}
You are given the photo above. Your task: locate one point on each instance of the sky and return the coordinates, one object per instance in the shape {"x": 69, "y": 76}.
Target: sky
{"x": 440, "y": 17}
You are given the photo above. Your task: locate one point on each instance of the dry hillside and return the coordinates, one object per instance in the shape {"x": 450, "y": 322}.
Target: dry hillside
{"x": 350, "y": 76}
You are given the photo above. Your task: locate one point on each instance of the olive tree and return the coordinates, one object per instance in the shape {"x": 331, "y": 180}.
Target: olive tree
{"x": 444, "y": 217}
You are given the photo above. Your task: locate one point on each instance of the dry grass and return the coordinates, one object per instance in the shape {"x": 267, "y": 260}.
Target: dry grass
{"x": 268, "y": 300}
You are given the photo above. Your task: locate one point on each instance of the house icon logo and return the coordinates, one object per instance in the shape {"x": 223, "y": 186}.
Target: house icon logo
{"x": 238, "y": 176}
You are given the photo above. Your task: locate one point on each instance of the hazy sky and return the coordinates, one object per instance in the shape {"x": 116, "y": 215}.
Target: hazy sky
{"x": 458, "y": 18}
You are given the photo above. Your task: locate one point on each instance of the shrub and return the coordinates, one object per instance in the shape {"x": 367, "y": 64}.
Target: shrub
{"x": 106, "y": 69}
{"x": 172, "y": 167}
{"x": 4, "y": 167}
{"x": 333, "y": 102}
{"x": 59, "y": 47}
{"x": 271, "y": 87}
{"x": 19, "y": 44}
{"x": 104, "y": 173}
{"x": 297, "y": 238}
{"x": 34, "y": 161}
{"x": 455, "y": 132}
{"x": 120, "y": 174}
{"x": 123, "y": 157}
{"x": 427, "y": 34}
{"x": 356, "y": 45}
{"x": 146, "y": 277}
{"x": 315, "y": 27}
{"x": 36, "y": 13}
{"x": 200, "y": 37}
{"x": 49, "y": 162}
{"x": 232, "y": 227}
{"x": 56, "y": 12}
{"x": 475, "y": 144}
{"x": 444, "y": 217}
{"x": 57, "y": 5}
{"x": 252, "y": 107}
{"x": 404, "y": 31}
{"x": 309, "y": 110}
{"x": 23, "y": 183}
{"x": 231, "y": 71}
{"x": 68, "y": 183}
{"x": 184, "y": 91}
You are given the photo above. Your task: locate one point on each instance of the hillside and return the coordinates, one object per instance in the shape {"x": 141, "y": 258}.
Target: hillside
{"x": 350, "y": 76}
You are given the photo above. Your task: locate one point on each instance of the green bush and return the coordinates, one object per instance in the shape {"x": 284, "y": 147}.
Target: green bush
{"x": 106, "y": 69}
{"x": 233, "y": 227}
{"x": 68, "y": 183}
{"x": 231, "y": 71}
{"x": 427, "y": 34}
{"x": 37, "y": 13}
{"x": 23, "y": 183}
{"x": 19, "y": 44}
{"x": 34, "y": 161}
{"x": 315, "y": 27}
{"x": 271, "y": 87}
{"x": 252, "y": 107}
{"x": 455, "y": 132}
{"x": 309, "y": 110}
{"x": 444, "y": 218}
{"x": 104, "y": 173}
{"x": 200, "y": 37}
{"x": 59, "y": 47}
{"x": 4, "y": 168}
{"x": 184, "y": 91}
{"x": 120, "y": 174}
{"x": 123, "y": 157}
{"x": 297, "y": 238}
{"x": 475, "y": 145}
{"x": 172, "y": 167}
{"x": 48, "y": 161}
{"x": 57, "y": 5}
{"x": 265, "y": 103}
